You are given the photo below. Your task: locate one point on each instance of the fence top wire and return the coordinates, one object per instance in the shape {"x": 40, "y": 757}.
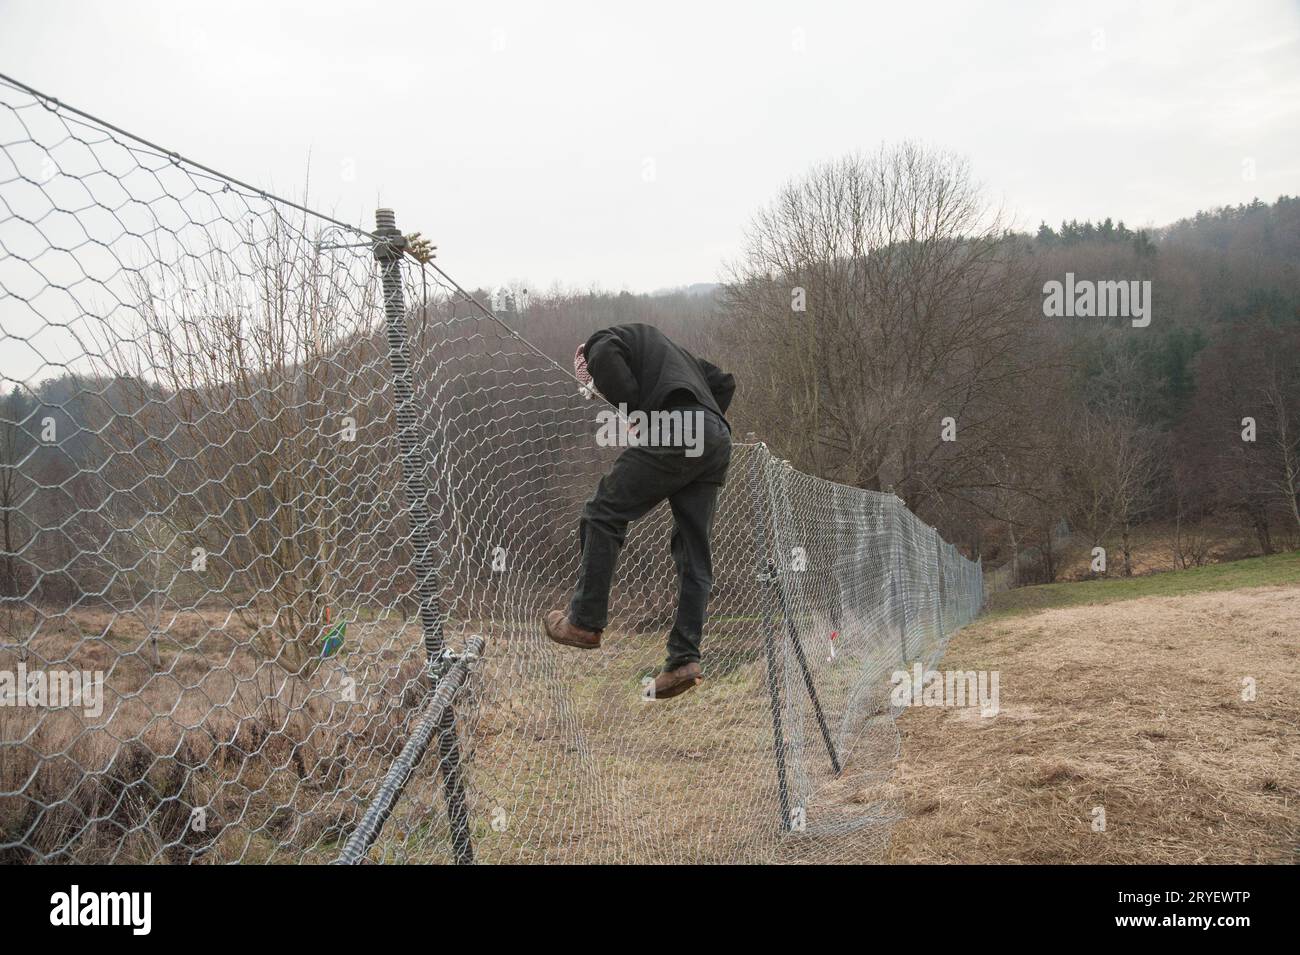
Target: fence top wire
{"x": 54, "y": 104}
{"x": 161, "y": 152}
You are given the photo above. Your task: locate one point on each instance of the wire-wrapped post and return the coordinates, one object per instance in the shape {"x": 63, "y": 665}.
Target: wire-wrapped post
{"x": 897, "y": 581}
{"x": 939, "y": 589}
{"x": 764, "y": 573}
{"x": 389, "y": 246}
{"x": 776, "y": 581}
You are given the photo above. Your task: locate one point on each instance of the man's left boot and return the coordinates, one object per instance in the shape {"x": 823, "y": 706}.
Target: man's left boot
{"x": 559, "y": 629}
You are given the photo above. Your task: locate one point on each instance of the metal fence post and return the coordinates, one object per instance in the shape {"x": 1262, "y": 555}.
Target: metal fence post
{"x": 388, "y": 252}
{"x": 939, "y": 589}
{"x": 763, "y": 574}
{"x": 900, "y": 591}
{"x": 777, "y": 581}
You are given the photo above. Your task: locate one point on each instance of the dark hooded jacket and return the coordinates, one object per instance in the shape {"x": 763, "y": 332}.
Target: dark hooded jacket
{"x": 640, "y": 366}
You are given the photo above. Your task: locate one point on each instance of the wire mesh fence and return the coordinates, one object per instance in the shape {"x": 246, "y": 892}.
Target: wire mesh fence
{"x": 239, "y": 556}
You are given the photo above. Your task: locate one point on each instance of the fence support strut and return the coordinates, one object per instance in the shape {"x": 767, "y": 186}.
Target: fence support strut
{"x": 775, "y": 578}
{"x": 440, "y": 702}
{"x": 388, "y": 252}
{"x": 769, "y": 575}
{"x": 777, "y": 582}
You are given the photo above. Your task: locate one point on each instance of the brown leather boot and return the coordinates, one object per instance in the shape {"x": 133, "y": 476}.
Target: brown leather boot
{"x": 559, "y": 629}
{"x": 670, "y": 683}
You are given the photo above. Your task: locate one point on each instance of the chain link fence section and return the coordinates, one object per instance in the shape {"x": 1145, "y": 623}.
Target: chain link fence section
{"x": 203, "y": 503}
{"x": 199, "y": 485}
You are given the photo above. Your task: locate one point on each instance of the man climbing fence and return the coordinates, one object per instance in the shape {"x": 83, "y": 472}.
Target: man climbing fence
{"x": 640, "y": 370}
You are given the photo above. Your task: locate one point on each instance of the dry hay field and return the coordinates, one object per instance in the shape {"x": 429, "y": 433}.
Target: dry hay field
{"x": 1126, "y": 702}
{"x": 1124, "y": 695}
{"x": 279, "y": 765}
{"x": 576, "y": 765}
{"x": 567, "y": 761}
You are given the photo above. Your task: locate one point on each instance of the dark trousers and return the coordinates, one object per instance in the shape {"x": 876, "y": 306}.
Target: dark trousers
{"x": 641, "y": 478}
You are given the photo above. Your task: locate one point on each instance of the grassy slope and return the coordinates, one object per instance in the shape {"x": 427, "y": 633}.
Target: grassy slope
{"x": 1278, "y": 569}
{"x": 1136, "y": 708}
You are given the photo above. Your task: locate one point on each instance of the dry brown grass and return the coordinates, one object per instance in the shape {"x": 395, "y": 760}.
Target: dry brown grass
{"x": 563, "y": 743}
{"x": 1132, "y": 706}
{"x": 1135, "y": 707}
{"x": 589, "y": 771}
{"x": 280, "y": 765}
{"x": 585, "y": 770}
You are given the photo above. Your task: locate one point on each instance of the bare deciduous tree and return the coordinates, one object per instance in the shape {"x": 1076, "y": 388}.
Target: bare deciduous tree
{"x": 878, "y": 297}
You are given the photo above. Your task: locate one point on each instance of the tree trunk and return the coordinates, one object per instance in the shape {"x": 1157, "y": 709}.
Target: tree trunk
{"x": 11, "y": 574}
{"x": 1262, "y": 533}
{"x": 1049, "y": 557}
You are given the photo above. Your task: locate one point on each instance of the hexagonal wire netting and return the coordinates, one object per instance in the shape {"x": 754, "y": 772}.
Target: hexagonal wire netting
{"x": 212, "y": 580}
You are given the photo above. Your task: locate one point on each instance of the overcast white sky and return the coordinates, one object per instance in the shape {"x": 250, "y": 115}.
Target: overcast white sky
{"x": 519, "y": 136}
